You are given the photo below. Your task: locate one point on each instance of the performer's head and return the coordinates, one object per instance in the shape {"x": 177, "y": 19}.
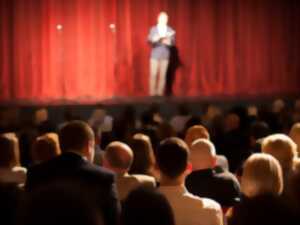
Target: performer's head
{"x": 162, "y": 18}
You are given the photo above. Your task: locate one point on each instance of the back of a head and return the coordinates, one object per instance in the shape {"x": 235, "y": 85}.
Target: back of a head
{"x": 262, "y": 174}
{"x": 59, "y": 203}
{"x": 196, "y": 132}
{"x": 9, "y": 151}
{"x": 282, "y": 148}
{"x": 172, "y": 157}
{"x": 295, "y": 135}
{"x": 118, "y": 156}
{"x": 259, "y": 130}
{"x": 231, "y": 122}
{"x": 144, "y": 159}
{"x": 145, "y": 206}
{"x": 74, "y": 136}
{"x": 45, "y": 148}
{"x": 165, "y": 130}
{"x": 203, "y": 154}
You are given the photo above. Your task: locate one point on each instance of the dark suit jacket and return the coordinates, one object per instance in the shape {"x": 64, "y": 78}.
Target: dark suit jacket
{"x": 94, "y": 182}
{"x": 221, "y": 187}
{"x": 262, "y": 210}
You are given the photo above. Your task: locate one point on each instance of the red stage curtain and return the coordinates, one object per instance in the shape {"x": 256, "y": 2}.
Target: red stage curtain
{"x": 228, "y": 47}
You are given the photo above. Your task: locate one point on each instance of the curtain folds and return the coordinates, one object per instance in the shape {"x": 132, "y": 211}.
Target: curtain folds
{"x": 226, "y": 48}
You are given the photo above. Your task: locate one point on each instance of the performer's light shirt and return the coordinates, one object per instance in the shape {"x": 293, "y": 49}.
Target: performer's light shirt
{"x": 162, "y": 30}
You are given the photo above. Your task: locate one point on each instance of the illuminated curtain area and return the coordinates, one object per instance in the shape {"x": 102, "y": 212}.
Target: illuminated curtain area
{"x": 53, "y": 49}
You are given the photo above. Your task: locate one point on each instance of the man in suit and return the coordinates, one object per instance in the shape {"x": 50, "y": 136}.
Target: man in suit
{"x": 161, "y": 38}
{"x": 118, "y": 157}
{"x": 74, "y": 166}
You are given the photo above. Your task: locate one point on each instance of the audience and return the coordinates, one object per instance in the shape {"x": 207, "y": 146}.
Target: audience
{"x": 205, "y": 182}
{"x": 76, "y": 140}
{"x": 71, "y": 179}
{"x": 262, "y": 184}
{"x": 173, "y": 162}
{"x": 45, "y": 148}
{"x": 11, "y": 171}
{"x": 145, "y": 206}
{"x": 118, "y": 158}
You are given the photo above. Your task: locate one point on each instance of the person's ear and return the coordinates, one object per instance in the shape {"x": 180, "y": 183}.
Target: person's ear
{"x": 189, "y": 168}
{"x": 214, "y": 161}
{"x": 90, "y": 150}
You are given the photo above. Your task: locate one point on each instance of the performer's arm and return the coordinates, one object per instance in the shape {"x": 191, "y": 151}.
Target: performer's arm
{"x": 153, "y": 37}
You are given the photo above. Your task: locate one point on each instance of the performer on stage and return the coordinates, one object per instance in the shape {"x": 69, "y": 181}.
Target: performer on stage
{"x": 161, "y": 37}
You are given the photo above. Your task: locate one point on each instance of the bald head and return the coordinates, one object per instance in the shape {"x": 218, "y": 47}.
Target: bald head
{"x": 194, "y": 133}
{"x": 203, "y": 154}
{"x": 118, "y": 156}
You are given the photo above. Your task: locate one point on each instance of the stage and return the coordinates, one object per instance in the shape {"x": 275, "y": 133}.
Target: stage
{"x": 78, "y": 52}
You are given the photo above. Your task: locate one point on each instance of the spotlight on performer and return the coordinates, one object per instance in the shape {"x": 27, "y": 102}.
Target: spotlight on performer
{"x": 59, "y": 27}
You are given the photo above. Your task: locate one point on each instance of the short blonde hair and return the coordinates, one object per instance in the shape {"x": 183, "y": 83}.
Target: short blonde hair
{"x": 196, "y": 132}
{"x": 262, "y": 174}
{"x": 283, "y": 148}
{"x": 295, "y": 135}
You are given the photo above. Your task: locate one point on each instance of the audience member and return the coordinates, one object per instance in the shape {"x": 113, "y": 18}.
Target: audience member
{"x": 118, "y": 158}
{"x": 45, "y": 148}
{"x": 74, "y": 164}
{"x": 205, "y": 182}
{"x": 10, "y": 197}
{"x": 57, "y": 204}
{"x": 173, "y": 162}
{"x": 145, "y": 206}
{"x": 262, "y": 184}
{"x": 143, "y": 160}
{"x": 284, "y": 150}
{"x": 295, "y": 136}
{"x": 11, "y": 171}
{"x": 198, "y": 132}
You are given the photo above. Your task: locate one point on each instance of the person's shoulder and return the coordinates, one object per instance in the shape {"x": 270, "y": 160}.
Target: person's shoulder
{"x": 226, "y": 177}
{"x": 98, "y": 172}
{"x": 211, "y": 204}
{"x": 203, "y": 203}
{"x": 144, "y": 179}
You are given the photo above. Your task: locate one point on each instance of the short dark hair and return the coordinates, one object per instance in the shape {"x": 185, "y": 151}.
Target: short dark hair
{"x": 145, "y": 206}
{"x": 75, "y": 135}
{"x": 172, "y": 157}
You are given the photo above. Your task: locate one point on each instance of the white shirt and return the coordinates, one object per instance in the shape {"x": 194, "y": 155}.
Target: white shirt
{"x": 189, "y": 209}
{"x": 162, "y": 30}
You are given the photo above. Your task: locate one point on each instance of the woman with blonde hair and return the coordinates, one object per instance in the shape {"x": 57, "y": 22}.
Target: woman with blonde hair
{"x": 284, "y": 149}
{"x": 295, "y": 136}
{"x": 261, "y": 185}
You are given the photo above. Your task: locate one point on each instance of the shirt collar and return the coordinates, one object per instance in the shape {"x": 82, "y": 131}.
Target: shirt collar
{"x": 178, "y": 189}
